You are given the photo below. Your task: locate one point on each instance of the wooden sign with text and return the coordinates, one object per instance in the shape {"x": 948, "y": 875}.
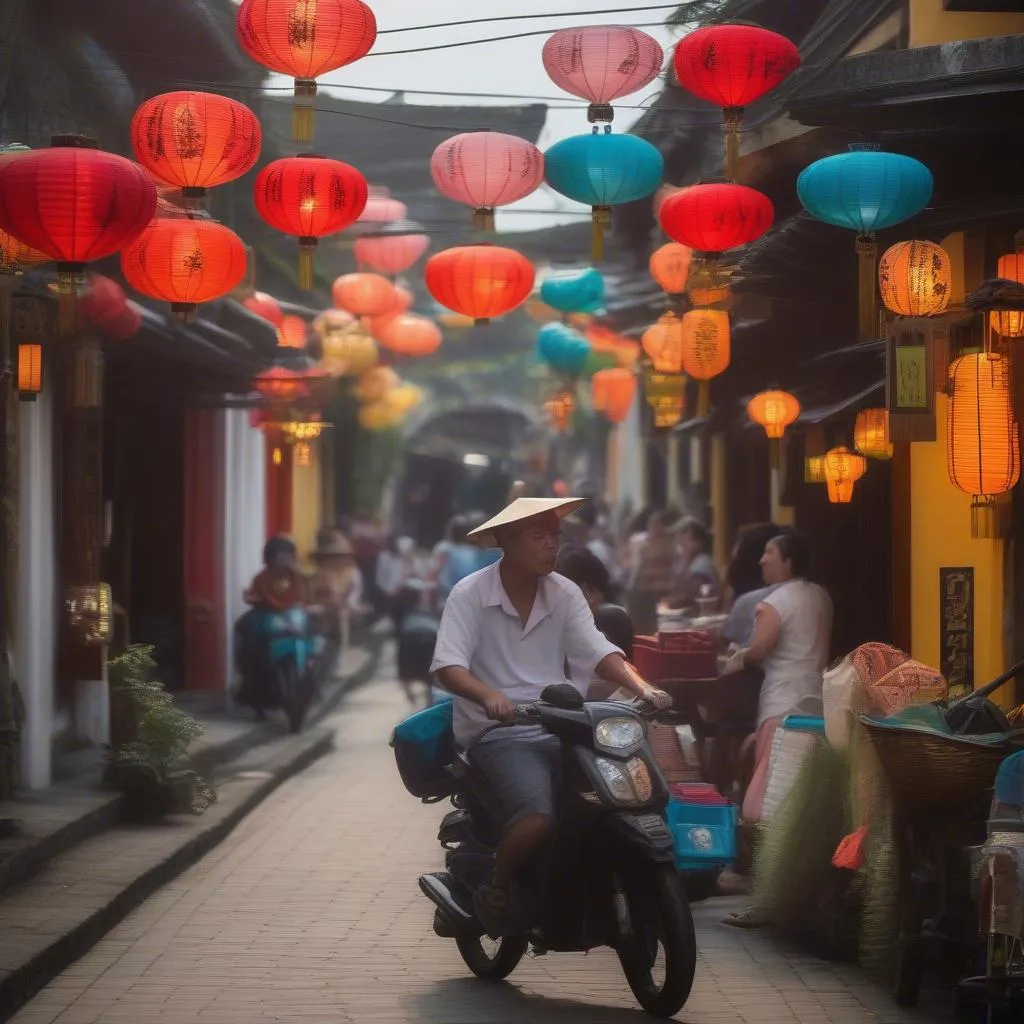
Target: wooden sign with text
{"x": 956, "y": 629}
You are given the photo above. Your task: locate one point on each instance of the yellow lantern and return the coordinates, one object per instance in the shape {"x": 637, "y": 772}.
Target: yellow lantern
{"x": 871, "y": 434}
{"x": 403, "y": 399}
{"x": 814, "y": 469}
{"x": 667, "y": 398}
{"x": 1010, "y": 323}
{"x": 303, "y": 454}
{"x": 843, "y": 469}
{"x": 377, "y": 416}
{"x": 90, "y": 613}
{"x": 560, "y": 409}
{"x": 915, "y": 278}
{"x": 373, "y": 385}
{"x": 30, "y": 372}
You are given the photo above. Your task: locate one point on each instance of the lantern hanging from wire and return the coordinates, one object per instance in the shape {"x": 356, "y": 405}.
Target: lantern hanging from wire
{"x": 732, "y": 66}
{"x": 843, "y": 469}
{"x": 75, "y": 204}
{"x": 195, "y": 140}
{"x": 1010, "y": 323}
{"x": 578, "y": 292}
{"x": 309, "y": 197}
{"x": 184, "y": 261}
{"x": 670, "y": 267}
{"x": 292, "y": 333}
{"x": 484, "y": 170}
{"x": 666, "y": 395}
{"x": 865, "y": 190}
{"x": 408, "y": 335}
{"x": 663, "y": 343}
{"x": 706, "y": 350}
{"x": 871, "y": 434}
{"x": 305, "y": 39}
{"x": 716, "y": 217}
{"x": 281, "y": 385}
{"x": 775, "y": 411}
{"x": 563, "y": 349}
{"x": 480, "y": 281}
{"x": 560, "y": 409}
{"x": 390, "y": 254}
{"x": 364, "y": 294}
{"x": 264, "y": 305}
{"x": 613, "y": 392}
{"x": 30, "y": 372}
{"x": 915, "y": 279}
{"x": 603, "y": 170}
{"x": 983, "y": 450}
{"x": 602, "y": 63}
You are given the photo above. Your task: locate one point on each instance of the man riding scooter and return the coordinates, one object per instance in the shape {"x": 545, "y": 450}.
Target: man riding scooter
{"x": 507, "y": 632}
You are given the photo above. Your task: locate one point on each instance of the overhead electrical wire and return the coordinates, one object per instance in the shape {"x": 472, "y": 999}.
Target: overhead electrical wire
{"x": 526, "y": 17}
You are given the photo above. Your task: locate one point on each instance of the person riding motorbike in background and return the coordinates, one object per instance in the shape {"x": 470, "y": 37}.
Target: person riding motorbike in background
{"x": 507, "y": 632}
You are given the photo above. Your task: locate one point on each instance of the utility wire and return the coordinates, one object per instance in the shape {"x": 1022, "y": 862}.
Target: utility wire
{"x": 525, "y": 17}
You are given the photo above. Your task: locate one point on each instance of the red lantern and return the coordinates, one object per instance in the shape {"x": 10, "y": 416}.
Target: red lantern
{"x": 292, "y": 332}
{"x": 104, "y": 306}
{"x": 731, "y": 66}
{"x": 409, "y": 335}
{"x": 480, "y": 281}
{"x": 281, "y": 385}
{"x": 305, "y": 39}
{"x": 195, "y": 140}
{"x": 311, "y": 197}
{"x": 184, "y": 262}
{"x": 264, "y": 305}
{"x": 390, "y": 254}
{"x": 364, "y": 294}
{"x": 714, "y": 218}
{"x": 75, "y": 204}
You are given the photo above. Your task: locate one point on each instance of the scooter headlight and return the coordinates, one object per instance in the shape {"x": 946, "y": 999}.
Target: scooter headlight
{"x": 618, "y": 733}
{"x": 628, "y": 783}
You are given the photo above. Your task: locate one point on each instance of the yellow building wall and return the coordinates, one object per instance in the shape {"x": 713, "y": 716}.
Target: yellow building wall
{"x": 306, "y": 503}
{"x": 930, "y": 25}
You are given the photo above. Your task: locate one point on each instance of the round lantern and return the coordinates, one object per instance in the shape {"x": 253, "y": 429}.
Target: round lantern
{"x": 666, "y": 396}
{"x": 613, "y": 392}
{"x": 871, "y": 434}
{"x": 865, "y": 190}
{"x": 373, "y": 385}
{"x": 706, "y": 349}
{"x": 390, "y": 254}
{"x": 364, "y": 294}
{"x": 351, "y": 353}
{"x": 603, "y": 170}
{"x": 915, "y": 278}
{"x": 560, "y": 409}
{"x": 732, "y": 66}
{"x": 378, "y": 416}
{"x": 983, "y": 452}
{"x": 716, "y": 217}
{"x": 280, "y": 385}
{"x": 409, "y": 335}
{"x": 104, "y": 306}
{"x": 403, "y": 399}
{"x": 305, "y": 40}
{"x": 292, "y": 332}
{"x": 195, "y": 140}
{"x": 602, "y": 63}
{"x": 264, "y": 305}
{"x": 381, "y": 208}
{"x": 309, "y": 197}
{"x": 184, "y": 262}
{"x": 843, "y": 469}
{"x": 480, "y": 281}
{"x": 15, "y": 256}
{"x": 485, "y": 170}
{"x": 663, "y": 343}
{"x": 74, "y": 204}
{"x": 562, "y": 349}
{"x": 773, "y": 410}
{"x": 1009, "y": 323}
{"x": 670, "y": 267}
{"x": 581, "y": 292}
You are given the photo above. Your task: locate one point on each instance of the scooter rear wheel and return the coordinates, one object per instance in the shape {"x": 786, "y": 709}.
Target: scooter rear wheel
{"x": 491, "y": 964}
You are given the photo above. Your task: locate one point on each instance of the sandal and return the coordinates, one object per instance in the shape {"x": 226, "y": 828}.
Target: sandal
{"x": 750, "y": 918}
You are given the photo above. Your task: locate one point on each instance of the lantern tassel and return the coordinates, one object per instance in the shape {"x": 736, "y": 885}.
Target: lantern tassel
{"x": 867, "y": 260}
{"x": 703, "y": 400}
{"x": 307, "y": 246}
{"x": 483, "y": 218}
{"x": 304, "y": 110}
{"x": 731, "y": 124}
{"x": 602, "y": 218}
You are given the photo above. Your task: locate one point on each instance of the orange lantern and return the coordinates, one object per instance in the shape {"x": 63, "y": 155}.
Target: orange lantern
{"x": 15, "y": 255}
{"x": 184, "y": 261}
{"x": 352, "y": 353}
{"x": 281, "y": 385}
{"x": 713, "y": 295}
{"x": 560, "y": 409}
{"x": 364, "y": 294}
{"x": 670, "y": 267}
{"x": 843, "y": 469}
{"x": 915, "y": 278}
{"x": 663, "y": 343}
{"x": 613, "y": 392}
{"x": 264, "y": 305}
{"x": 814, "y": 469}
{"x": 871, "y": 434}
{"x": 403, "y": 300}
{"x": 982, "y": 444}
{"x": 409, "y": 335}
{"x": 773, "y": 410}
{"x": 1009, "y": 323}
{"x": 30, "y": 372}
{"x": 403, "y": 399}
{"x": 373, "y": 385}
{"x": 292, "y": 332}
{"x": 481, "y": 281}
{"x": 705, "y": 341}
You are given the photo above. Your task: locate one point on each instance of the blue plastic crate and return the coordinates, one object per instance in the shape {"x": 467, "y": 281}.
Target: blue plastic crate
{"x": 704, "y": 834}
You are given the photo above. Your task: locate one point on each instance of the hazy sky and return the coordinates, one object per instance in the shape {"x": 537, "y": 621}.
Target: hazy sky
{"x": 510, "y": 66}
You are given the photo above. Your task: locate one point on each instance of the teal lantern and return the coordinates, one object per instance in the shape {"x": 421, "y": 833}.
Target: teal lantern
{"x": 865, "y": 190}
{"x": 574, "y": 293}
{"x": 603, "y": 170}
{"x": 563, "y": 349}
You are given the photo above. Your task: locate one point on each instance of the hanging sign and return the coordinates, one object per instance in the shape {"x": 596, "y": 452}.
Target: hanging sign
{"x": 956, "y": 629}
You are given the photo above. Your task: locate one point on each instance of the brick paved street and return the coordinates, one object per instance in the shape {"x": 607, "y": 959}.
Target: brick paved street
{"x": 310, "y": 912}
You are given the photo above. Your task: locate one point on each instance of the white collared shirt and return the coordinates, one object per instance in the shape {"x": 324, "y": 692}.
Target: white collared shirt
{"x": 482, "y": 632}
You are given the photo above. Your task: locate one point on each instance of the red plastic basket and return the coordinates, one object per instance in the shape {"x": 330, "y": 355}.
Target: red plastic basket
{"x": 657, "y": 662}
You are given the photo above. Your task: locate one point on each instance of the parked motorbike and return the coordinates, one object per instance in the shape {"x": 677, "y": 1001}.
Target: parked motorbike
{"x": 608, "y": 877}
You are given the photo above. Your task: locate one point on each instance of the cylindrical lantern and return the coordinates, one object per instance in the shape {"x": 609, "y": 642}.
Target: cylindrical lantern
{"x": 480, "y": 281}
{"x": 670, "y": 267}
{"x": 666, "y": 395}
{"x": 842, "y": 470}
{"x": 560, "y": 409}
{"x": 915, "y": 279}
{"x": 485, "y": 170}
{"x": 871, "y": 434}
{"x": 195, "y": 140}
{"x": 613, "y": 392}
{"x": 184, "y": 262}
{"x": 814, "y": 469}
{"x": 706, "y": 349}
{"x": 1009, "y": 323}
{"x": 30, "y": 372}
{"x": 409, "y": 335}
{"x": 663, "y": 344}
{"x": 716, "y": 217}
{"x": 602, "y": 63}
{"x": 264, "y": 305}
{"x": 390, "y": 254}
{"x": 732, "y": 66}
{"x": 305, "y": 39}
{"x": 364, "y": 294}
{"x": 292, "y": 332}
{"x": 309, "y": 197}
{"x": 983, "y": 451}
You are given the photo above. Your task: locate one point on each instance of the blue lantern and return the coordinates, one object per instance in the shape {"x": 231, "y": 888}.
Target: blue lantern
{"x": 603, "y": 170}
{"x": 563, "y": 349}
{"x": 576, "y": 293}
{"x": 865, "y": 190}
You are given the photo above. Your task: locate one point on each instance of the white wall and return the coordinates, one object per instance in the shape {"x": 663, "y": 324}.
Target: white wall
{"x": 632, "y": 475}
{"x": 36, "y": 637}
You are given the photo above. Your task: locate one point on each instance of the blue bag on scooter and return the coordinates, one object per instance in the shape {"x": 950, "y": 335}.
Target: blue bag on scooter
{"x": 424, "y": 746}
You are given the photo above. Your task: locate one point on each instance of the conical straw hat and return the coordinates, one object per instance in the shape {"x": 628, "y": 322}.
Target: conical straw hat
{"x": 523, "y": 508}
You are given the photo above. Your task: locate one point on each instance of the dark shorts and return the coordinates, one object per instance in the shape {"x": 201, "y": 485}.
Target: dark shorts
{"x": 523, "y": 764}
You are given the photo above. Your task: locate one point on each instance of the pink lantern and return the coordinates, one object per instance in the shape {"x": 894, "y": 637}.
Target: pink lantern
{"x": 390, "y": 254}
{"x": 602, "y": 63}
{"x": 485, "y": 170}
{"x": 382, "y": 209}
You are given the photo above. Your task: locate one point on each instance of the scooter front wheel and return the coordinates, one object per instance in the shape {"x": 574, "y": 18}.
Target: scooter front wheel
{"x": 491, "y": 959}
